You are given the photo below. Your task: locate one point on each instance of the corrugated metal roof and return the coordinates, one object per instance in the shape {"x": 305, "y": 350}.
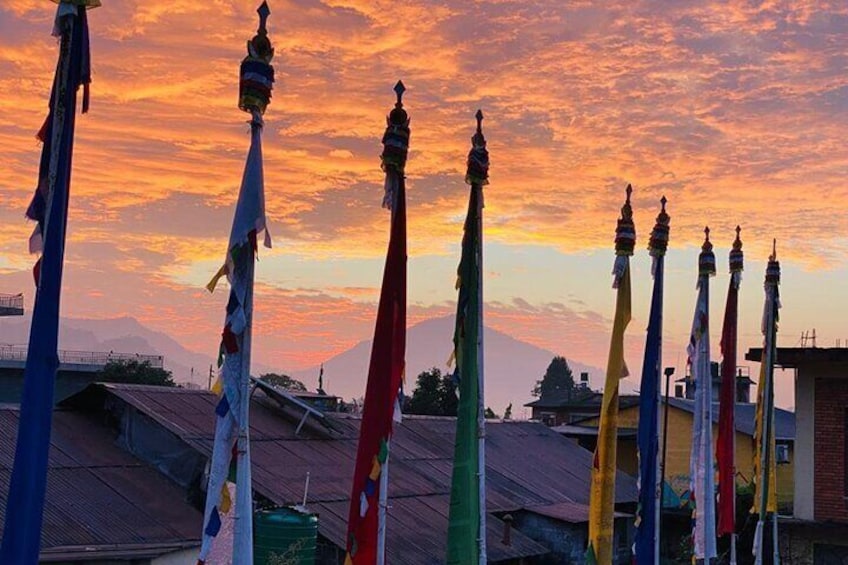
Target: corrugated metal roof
{"x": 98, "y": 495}
{"x": 527, "y": 465}
{"x": 745, "y": 417}
{"x": 572, "y": 512}
{"x": 409, "y": 518}
{"x": 589, "y": 399}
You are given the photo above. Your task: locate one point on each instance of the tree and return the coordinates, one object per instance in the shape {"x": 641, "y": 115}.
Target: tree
{"x": 490, "y": 414}
{"x": 434, "y": 395}
{"x": 283, "y": 381}
{"x": 508, "y": 412}
{"x": 427, "y": 398}
{"x": 558, "y": 380}
{"x": 135, "y": 372}
{"x": 448, "y": 395}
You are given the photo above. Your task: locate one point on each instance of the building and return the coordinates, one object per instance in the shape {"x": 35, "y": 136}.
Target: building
{"x": 77, "y": 370}
{"x": 680, "y": 417}
{"x": 818, "y": 532}
{"x": 537, "y": 481}
{"x": 574, "y": 406}
{"x": 103, "y": 505}
{"x": 685, "y": 387}
{"x": 11, "y": 305}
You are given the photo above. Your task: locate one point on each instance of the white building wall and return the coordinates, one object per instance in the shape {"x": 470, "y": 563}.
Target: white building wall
{"x": 805, "y": 392}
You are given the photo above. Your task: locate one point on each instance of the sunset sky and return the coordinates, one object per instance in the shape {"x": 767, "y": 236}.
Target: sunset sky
{"x": 735, "y": 111}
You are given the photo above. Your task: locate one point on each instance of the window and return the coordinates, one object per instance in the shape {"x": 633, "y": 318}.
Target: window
{"x": 782, "y": 453}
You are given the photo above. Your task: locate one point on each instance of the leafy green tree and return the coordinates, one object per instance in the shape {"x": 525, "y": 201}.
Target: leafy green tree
{"x": 283, "y": 381}
{"x": 427, "y": 398}
{"x": 508, "y": 412}
{"x": 558, "y": 380}
{"x": 490, "y": 414}
{"x": 448, "y": 395}
{"x": 135, "y": 372}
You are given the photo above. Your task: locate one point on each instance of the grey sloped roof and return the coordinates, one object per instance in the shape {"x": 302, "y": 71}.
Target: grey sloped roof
{"x": 745, "y": 418}
{"x": 527, "y": 465}
{"x": 100, "y": 498}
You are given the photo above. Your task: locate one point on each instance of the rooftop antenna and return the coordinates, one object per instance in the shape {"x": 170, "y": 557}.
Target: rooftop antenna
{"x": 305, "y": 492}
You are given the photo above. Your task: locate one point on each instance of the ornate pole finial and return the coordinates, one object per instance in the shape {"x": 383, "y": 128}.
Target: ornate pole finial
{"x": 264, "y": 11}
{"x": 395, "y": 141}
{"x": 625, "y": 240}
{"x": 736, "y": 257}
{"x": 706, "y": 260}
{"x": 477, "y": 172}
{"x": 658, "y": 243}
{"x": 399, "y": 90}
{"x": 773, "y": 267}
{"x": 625, "y": 231}
{"x": 256, "y": 73}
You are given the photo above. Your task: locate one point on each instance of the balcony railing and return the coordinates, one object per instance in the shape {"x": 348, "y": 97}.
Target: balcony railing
{"x": 11, "y": 304}
{"x": 67, "y": 357}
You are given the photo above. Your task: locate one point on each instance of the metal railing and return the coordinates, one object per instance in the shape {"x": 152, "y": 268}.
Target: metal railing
{"x": 12, "y": 304}
{"x": 67, "y": 357}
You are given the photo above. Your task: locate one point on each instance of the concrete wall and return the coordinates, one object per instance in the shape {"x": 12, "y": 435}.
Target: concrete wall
{"x": 805, "y": 462}
{"x": 567, "y": 542}
{"x": 805, "y": 543}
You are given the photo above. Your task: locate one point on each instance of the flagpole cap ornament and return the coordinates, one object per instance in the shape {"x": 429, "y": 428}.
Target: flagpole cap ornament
{"x": 396, "y": 137}
{"x": 625, "y": 230}
{"x": 773, "y": 267}
{"x": 658, "y": 244}
{"x": 477, "y": 172}
{"x": 706, "y": 260}
{"x": 736, "y": 255}
{"x": 256, "y": 73}
{"x": 625, "y": 240}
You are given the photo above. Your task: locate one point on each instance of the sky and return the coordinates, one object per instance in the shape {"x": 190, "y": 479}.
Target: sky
{"x": 735, "y": 111}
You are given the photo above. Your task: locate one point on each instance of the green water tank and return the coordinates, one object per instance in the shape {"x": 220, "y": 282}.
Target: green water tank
{"x": 284, "y": 536}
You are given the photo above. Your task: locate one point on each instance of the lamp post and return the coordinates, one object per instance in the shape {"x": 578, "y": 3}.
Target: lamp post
{"x": 668, "y": 372}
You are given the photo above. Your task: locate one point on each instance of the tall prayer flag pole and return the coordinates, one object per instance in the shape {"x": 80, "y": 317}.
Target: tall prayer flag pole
{"x": 367, "y": 514}
{"x": 467, "y": 517}
{"x": 765, "y": 491}
{"x": 702, "y": 479}
{"x": 726, "y": 445}
{"x": 647, "y": 545}
{"x": 49, "y": 208}
{"x": 232, "y": 427}
{"x": 602, "y": 494}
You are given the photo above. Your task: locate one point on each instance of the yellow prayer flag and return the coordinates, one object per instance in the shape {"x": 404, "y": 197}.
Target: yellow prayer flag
{"x": 602, "y": 494}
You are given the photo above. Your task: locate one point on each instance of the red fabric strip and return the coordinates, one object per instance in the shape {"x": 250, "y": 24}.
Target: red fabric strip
{"x": 726, "y": 425}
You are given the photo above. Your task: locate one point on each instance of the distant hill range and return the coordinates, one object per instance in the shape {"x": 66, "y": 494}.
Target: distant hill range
{"x": 121, "y": 335}
{"x": 512, "y": 366}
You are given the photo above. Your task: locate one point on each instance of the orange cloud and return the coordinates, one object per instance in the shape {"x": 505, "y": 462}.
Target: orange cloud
{"x": 735, "y": 111}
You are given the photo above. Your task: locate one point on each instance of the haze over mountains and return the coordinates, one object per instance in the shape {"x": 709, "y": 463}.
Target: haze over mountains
{"x": 121, "y": 335}
{"x": 512, "y": 366}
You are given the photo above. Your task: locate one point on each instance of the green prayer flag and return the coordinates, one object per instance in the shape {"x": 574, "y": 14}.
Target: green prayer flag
{"x": 464, "y": 518}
